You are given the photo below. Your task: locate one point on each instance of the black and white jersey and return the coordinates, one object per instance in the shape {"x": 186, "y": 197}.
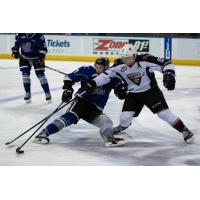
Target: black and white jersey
{"x": 140, "y": 76}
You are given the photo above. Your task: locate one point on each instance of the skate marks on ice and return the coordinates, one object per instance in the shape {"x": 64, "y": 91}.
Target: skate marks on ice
{"x": 169, "y": 149}
{"x": 185, "y": 160}
{"x": 134, "y": 153}
{"x": 142, "y": 148}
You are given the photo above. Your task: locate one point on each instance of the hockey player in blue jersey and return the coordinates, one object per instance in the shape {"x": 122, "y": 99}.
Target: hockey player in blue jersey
{"x": 33, "y": 51}
{"x": 89, "y": 107}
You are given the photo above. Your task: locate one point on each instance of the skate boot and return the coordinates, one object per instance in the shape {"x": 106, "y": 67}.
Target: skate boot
{"x": 27, "y": 97}
{"x": 118, "y": 129}
{"x": 187, "y": 135}
{"x": 42, "y": 138}
{"x": 48, "y": 97}
{"x": 111, "y": 141}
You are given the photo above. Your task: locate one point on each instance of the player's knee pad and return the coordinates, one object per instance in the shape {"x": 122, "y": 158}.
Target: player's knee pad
{"x": 126, "y": 118}
{"x": 41, "y": 76}
{"x": 25, "y": 70}
{"x": 167, "y": 116}
{"x": 69, "y": 118}
{"x": 40, "y": 73}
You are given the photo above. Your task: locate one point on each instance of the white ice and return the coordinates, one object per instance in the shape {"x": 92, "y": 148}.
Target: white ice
{"x": 150, "y": 141}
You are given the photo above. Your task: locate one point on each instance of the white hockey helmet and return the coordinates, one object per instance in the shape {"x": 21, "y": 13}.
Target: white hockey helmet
{"x": 128, "y": 51}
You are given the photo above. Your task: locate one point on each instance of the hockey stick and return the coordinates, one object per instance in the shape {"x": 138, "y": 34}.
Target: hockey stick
{"x": 55, "y": 70}
{"x": 18, "y": 150}
{"x": 48, "y": 67}
{"x": 57, "y": 109}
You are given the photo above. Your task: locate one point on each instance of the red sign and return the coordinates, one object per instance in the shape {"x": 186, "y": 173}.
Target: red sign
{"x": 108, "y": 44}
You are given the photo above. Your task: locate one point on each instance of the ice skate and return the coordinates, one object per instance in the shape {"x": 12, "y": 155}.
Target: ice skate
{"x": 42, "y": 138}
{"x": 111, "y": 141}
{"x": 188, "y": 135}
{"x": 27, "y": 97}
{"x": 48, "y": 97}
{"x": 118, "y": 130}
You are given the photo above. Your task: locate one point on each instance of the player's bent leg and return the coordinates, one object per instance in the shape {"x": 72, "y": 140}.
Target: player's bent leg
{"x": 65, "y": 120}
{"x": 125, "y": 121}
{"x": 44, "y": 83}
{"x": 176, "y": 123}
{"x": 105, "y": 124}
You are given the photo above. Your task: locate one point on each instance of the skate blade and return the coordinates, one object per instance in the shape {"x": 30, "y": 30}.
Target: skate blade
{"x": 190, "y": 140}
{"x": 41, "y": 141}
{"x": 28, "y": 101}
{"x": 110, "y": 144}
{"x": 49, "y": 101}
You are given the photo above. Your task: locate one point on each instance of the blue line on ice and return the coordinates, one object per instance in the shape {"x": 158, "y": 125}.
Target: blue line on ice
{"x": 5, "y": 100}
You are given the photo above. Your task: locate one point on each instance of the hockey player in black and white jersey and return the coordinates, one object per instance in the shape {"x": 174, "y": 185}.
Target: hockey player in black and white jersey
{"x": 142, "y": 89}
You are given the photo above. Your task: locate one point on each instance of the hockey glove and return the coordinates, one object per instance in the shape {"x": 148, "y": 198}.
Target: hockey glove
{"x": 90, "y": 86}
{"x": 67, "y": 95}
{"x": 169, "y": 80}
{"x": 68, "y": 91}
{"x": 15, "y": 52}
{"x": 120, "y": 91}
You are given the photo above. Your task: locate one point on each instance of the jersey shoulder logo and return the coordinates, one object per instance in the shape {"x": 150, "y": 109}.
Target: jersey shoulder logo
{"x": 124, "y": 68}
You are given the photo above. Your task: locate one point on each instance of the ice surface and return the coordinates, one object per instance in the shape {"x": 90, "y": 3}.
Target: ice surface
{"x": 150, "y": 141}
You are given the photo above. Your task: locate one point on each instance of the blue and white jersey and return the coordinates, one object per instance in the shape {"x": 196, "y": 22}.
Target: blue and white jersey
{"x": 31, "y": 46}
{"x": 100, "y": 95}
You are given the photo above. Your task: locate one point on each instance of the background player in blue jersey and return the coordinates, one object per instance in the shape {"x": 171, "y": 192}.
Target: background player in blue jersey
{"x": 89, "y": 107}
{"x": 33, "y": 51}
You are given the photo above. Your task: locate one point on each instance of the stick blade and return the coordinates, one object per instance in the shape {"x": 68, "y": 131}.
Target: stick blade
{"x": 19, "y": 151}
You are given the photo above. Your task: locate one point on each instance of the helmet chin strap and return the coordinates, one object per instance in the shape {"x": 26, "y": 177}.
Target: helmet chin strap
{"x": 134, "y": 57}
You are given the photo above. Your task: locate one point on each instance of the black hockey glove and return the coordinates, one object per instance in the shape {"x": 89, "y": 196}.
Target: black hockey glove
{"x": 169, "y": 80}
{"x": 120, "y": 91}
{"x": 67, "y": 95}
{"x": 90, "y": 86}
{"x": 15, "y": 52}
{"x": 68, "y": 91}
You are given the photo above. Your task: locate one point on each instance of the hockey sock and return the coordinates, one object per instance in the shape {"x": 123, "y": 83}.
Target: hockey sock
{"x": 44, "y": 83}
{"x": 27, "y": 83}
{"x": 171, "y": 119}
{"x": 178, "y": 125}
{"x": 65, "y": 120}
{"x": 126, "y": 118}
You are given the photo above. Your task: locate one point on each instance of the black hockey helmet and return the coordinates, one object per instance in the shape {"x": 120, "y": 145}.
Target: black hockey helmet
{"x": 103, "y": 61}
